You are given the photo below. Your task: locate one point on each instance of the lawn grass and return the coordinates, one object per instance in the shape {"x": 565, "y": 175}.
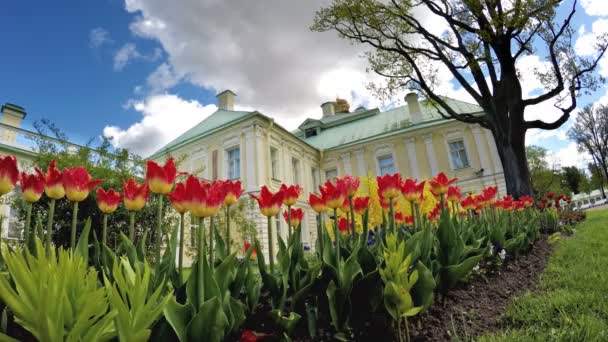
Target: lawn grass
{"x": 571, "y": 303}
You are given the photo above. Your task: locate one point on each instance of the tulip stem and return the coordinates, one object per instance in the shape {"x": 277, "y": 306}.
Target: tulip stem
{"x": 320, "y": 233}
{"x": 28, "y": 223}
{"x": 414, "y": 223}
{"x": 228, "y": 242}
{"x": 180, "y": 261}
{"x": 352, "y": 217}
{"x": 74, "y": 224}
{"x": 159, "y": 234}
{"x": 201, "y": 255}
{"x": 337, "y": 237}
{"x": 392, "y": 215}
{"x": 288, "y": 223}
{"x": 132, "y": 226}
{"x": 104, "y": 231}
{"x": 211, "y": 237}
{"x": 49, "y": 226}
{"x": 270, "y": 245}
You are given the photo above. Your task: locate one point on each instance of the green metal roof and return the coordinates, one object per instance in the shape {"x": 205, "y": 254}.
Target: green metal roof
{"x": 217, "y": 120}
{"x": 340, "y": 129}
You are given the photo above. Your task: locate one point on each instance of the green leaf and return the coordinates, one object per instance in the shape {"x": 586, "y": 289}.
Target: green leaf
{"x": 82, "y": 248}
{"x": 178, "y": 316}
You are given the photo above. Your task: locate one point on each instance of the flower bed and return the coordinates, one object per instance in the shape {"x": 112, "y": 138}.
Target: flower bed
{"x": 390, "y": 251}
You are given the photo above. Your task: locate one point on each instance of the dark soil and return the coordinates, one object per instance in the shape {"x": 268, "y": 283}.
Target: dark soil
{"x": 477, "y": 307}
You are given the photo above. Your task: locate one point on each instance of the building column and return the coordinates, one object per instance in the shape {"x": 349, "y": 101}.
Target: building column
{"x": 260, "y": 159}
{"x": 493, "y": 151}
{"x": 346, "y": 161}
{"x": 410, "y": 143}
{"x": 481, "y": 150}
{"x": 361, "y": 169}
{"x": 430, "y": 154}
{"x": 250, "y": 181}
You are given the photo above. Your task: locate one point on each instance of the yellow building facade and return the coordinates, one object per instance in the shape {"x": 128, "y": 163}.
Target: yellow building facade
{"x": 413, "y": 140}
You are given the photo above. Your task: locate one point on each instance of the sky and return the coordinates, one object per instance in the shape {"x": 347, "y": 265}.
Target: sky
{"x": 141, "y": 72}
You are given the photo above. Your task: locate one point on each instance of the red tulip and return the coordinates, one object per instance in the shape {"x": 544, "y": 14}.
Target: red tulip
{"x": 434, "y": 214}
{"x": 206, "y": 199}
{"x": 270, "y": 204}
{"x": 9, "y": 174}
{"x": 489, "y": 194}
{"x": 135, "y": 195}
{"x": 248, "y": 336}
{"x": 296, "y": 217}
{"x": 440, "y": 183}
{"x": 519, "y": 205}
{"x": 385, "y": 202}
{"x": 411, "y": 191}
{"x": 78, "y": 183}
{"x": 108, "y": 201}
{"x": 389, "y": 186}
{"x": 454, "y": 194}
{"x": 351, "y": 184}
{"x": 232, "y": 191}
{"x": 161, "y": 179}
{"x": 317, "y": 203}
{"x": 180, "y": 199}
{"x": 550, "y": 194}
{"x": 345, "y": 206}
{"x": 32, "y": 185}
{"x": 333, "y": 195}
{"x": 468, "y": 203}
{"x": 53, "y": 182}
{"x": 409, "y": 220}
{"x": 246, "y": 246}
{"x": 343, "y": 225}
{"x": 290, "y": 194}
{"x": 360, "y": 205}
{"x": 399, "y": 218}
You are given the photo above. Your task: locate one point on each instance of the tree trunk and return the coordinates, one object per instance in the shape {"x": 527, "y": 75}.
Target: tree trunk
{"x": 512, "y": 154}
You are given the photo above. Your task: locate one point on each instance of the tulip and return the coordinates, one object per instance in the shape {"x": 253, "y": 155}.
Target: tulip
{"x": 53, "y": 188}
{"x": 180, "y": 201}
{"x": 468, "y": 203}
{"x": 333, "y": 195}
{"x": 399, "y": 218}
{"x": 108, "y": 202}
{"x": 246, "y": 246}
{"x": 351, "y": 184}
{"x": 160, "y": 180}
{"x": 9, "y": 174}
{"x": 232, "y": 192}
{"x": 409, "y": 220}
{"x": 434, "y": 214}
{"x": 206, "y": 200}
{"x": 290, "y": 197}
{"x": 77, "y": 184}
{"x": 413, "y": 193}
{"x": 135, "y": 197}
{"x": 489, "y": 194}
{"x": 32, "y": 187}
{"x": 317, "y": 203}
{"x": 389, "y": 187}
{"x": 270, "y": 205}
{"x": 361, "y": 204}
{"x": 454, "y": 194}
{"x": 343, "y": 226}
{"x": 295, "y": 218}
{"x": 440, "y": 184}
{"x": 550, "y": 195}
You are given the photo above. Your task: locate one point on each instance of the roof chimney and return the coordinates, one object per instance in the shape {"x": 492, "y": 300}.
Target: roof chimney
{"x": 12, "y": 115}
{"x": 225, "y": 100}
{"x": 414, "y": 107}
{"x": 329, "y": 108}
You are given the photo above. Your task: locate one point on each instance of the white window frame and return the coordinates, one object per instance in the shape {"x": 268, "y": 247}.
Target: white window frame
{"x": 382, "y": 157}
{"x": 227, "y": 161}
{"x": 385, "y": 151}
{"x": 275, "y": 174}
{"x": 328, "y": 170}
{"x": 466, "y": 152}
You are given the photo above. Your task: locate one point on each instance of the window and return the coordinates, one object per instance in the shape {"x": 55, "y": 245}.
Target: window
{"x": 295, "y": 165}
{"x": 386, "y": 165}
{"x": 458, "y": 154}
{"x": 234, "y": 163}
{"x": 315, "y": 179}
{"x": 310, "y": 132}
{"x": 274, "y": 163}
{"x": 331, "y": 174}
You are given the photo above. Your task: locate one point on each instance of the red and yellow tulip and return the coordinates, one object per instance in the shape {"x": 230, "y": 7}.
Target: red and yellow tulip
{"x": 180, "y": 199}
{"x": 232, "y": 191}
{"x": 389, "y": 186}
{"x": 135, "y": 195}
{"x": 296, "y": 217}
{"x": 108, "y": 201}
{"x": 9, "y": 174}
{"x": 53, "y": 182}
{"x": 441, "y": 183}
{"x": 32, "y": 185}
{"x": 270, "y": 204}
{"x": 317, "y": 203}
{"x": 290, "y": 194}
{"x": 78, "y": 183}
{"x": 160, "y": 179}
{"x": 333, "y": 195}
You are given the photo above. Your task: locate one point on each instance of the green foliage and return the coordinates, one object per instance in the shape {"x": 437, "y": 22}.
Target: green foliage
{"x": 56, "y": 297}
{"x": 545, "y": 177}
{"x": 570, "y": 303}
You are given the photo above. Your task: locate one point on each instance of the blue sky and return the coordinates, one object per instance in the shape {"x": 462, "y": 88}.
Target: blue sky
{"x": 142, "y": 72}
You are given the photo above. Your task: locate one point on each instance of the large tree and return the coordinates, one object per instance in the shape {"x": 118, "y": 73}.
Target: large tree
{"x": 572, "y": 178}
{"x": 480, "y": 48}
{"x": 590, "y": 132}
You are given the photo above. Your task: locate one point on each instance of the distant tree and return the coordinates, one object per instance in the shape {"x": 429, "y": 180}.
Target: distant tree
{"x": 481, "y": 48}
{"x": 590, "y": 132}
{"x": 572, "y": 177}
{"x": 597, "y": 180}
{"x": 545, "y": 177}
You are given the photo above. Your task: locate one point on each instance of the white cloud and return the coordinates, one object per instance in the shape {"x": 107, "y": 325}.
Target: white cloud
{"x": 165, "y": 117}
{"x": 595, "y": 7}
{"x": 164, "y": 77}
{"x": 587, "y": 43}
{"x": 128, "y": 53}
{"x": 569, "y": 156}
{"x": 98, "y": 37}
